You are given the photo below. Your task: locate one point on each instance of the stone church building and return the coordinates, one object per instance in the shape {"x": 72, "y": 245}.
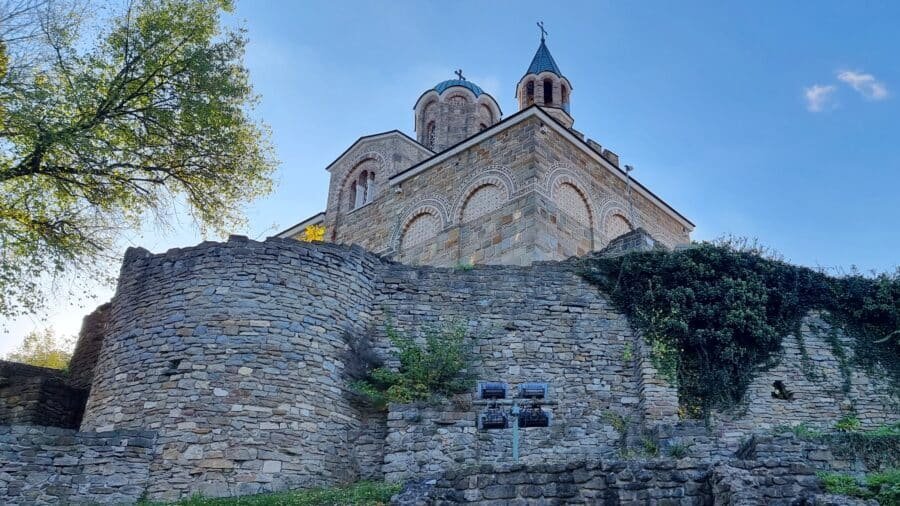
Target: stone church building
{"x": 475, "y": 187}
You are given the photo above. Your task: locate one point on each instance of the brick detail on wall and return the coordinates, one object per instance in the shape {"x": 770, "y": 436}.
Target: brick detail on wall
{"x": 420, "y": 229}
{"x": 482, "y": 201}
{"x": 616, "y": 225}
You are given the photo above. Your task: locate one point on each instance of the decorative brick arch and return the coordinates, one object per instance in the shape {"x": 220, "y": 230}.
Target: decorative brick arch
{"x": 560, "y": 175}
{"x": 610, "y": 209}
{"x": 494, "y": 176}
{"x": 433, "y": 205}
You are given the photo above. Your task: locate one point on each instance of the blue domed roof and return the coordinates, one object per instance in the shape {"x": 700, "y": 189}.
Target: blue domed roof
{"x": 442, "y": 86}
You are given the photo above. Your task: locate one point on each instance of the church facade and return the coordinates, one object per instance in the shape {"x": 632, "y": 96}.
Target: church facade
{"x": 475, "y": 187}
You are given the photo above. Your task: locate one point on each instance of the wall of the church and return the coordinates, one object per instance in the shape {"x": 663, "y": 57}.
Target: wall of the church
{"x": 523, "y": 195}
{"x": 443, "y": 216}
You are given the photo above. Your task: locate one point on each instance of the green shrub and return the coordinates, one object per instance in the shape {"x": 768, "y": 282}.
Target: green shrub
{"x": 617, "y": 421}
{"x": 678, "y": 451}
{"x": 364, "y": 493}
{"x": 847, "y": 424}
{"x": 884, "y": 487}
{"x": 438, "y": 366}
{"x": 715, "y": 314}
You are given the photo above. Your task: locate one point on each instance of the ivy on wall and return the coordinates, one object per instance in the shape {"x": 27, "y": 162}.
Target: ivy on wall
{"x": 715, "y": 314}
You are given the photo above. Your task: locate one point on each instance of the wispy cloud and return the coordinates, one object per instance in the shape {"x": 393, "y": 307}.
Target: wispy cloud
{"x": 819, "y": 96}
{"x": 865, "y": 84}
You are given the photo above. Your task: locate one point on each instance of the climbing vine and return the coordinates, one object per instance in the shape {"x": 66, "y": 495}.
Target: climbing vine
{"x": 715, "y": 314}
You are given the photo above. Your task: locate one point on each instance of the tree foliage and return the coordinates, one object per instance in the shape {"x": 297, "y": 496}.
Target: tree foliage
{"x": 44, "y": 348}
{"x": 314, "y": 233}
{"x": 97, "y": 136}
{"x": 715, "y": 314}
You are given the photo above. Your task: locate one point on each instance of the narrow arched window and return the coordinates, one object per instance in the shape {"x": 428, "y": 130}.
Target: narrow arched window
{"x": 370, "y": 188}
{"x": 564, "y": 93}
{"x": 548, "y": 92}
{"x": 429, "y": 135}
{"x": 351, "y": 202}
{"x": 529, "y": 93}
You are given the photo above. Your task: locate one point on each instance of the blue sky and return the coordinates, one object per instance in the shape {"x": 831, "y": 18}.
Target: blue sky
{"x": 768, "y": 119}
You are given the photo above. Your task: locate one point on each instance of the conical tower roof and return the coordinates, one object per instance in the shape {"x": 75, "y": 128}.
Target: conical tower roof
{"x": 543, "y": 61}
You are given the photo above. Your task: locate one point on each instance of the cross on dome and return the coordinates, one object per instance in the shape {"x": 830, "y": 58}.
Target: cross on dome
{"x": 459, "y": 75}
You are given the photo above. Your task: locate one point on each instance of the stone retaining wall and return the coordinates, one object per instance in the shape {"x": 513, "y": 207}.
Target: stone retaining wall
{"x": 660, "y": 482}
{"x": 38, "y": 396}
{"x": 46, "y": 465}
{"x": 527, "y": 324}
{"x": 238, "y": 355}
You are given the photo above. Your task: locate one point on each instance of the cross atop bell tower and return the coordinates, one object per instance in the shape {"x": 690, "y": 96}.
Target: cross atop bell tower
{"x": 543, "y": 32}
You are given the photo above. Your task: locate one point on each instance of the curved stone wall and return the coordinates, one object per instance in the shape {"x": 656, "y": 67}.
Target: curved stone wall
{"x": 231, "y": 351}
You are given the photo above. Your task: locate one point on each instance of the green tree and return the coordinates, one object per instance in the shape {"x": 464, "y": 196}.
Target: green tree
{"x": 151, "y": 117}
{"x": 44, "y": 349}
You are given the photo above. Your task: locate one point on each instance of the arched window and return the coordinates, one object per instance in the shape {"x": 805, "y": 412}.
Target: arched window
{"x": 548, "y": 91}
{"x": 529, "y": 93}
{"x": 564, "y": 92}
{"x": 429, "y": 135}
{"x": 362, "y": 189}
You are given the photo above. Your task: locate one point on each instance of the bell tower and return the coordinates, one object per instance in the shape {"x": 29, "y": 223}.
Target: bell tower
{"x": 544, "y": 84}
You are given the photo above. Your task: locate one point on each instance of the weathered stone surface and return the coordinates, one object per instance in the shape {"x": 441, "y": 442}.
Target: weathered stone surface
{"x": 46, "y": 465}
{"x": 236, "y": 355}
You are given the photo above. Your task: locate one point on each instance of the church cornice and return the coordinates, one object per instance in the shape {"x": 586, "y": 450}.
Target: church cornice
{"x": 561, "y": 129}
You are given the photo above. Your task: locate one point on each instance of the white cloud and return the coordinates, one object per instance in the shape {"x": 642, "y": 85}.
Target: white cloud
{"x": 819, "y": 96}
{"x": 865, "y": 84}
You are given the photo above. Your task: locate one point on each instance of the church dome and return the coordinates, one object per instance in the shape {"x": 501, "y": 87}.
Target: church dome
{"x": 474, "y": 88}
{"x": 453, "y": 111}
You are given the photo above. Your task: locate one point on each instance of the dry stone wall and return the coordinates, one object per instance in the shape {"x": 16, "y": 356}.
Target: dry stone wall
{"x": 528, "y": 324}
{"x": 657, "y": 482}
{"x": 38, "y": 396}
{"x": 44, "y": 465}
{"x": 232, "y": 353}
{"x": 237, "y": 356}
{"x": 90, "y": 340}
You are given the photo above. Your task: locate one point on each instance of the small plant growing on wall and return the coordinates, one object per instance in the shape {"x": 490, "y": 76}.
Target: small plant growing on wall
{"x": 435, "y": 365}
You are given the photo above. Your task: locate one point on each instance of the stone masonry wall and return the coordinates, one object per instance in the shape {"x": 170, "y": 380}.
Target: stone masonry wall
{"x": 232, "y": 353}
{"x": 504, "y": 161}
{"x": 540, "y": 323}
{"x": 658, "y": 482}
{"x": 236, "y": 355}
{"x": 45, "y": 465}
{"x": 38, "y": 396}
{"x": 535, "y": 196}
{"x": 90, "y": 340}
{"x": 822, "y": 394}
